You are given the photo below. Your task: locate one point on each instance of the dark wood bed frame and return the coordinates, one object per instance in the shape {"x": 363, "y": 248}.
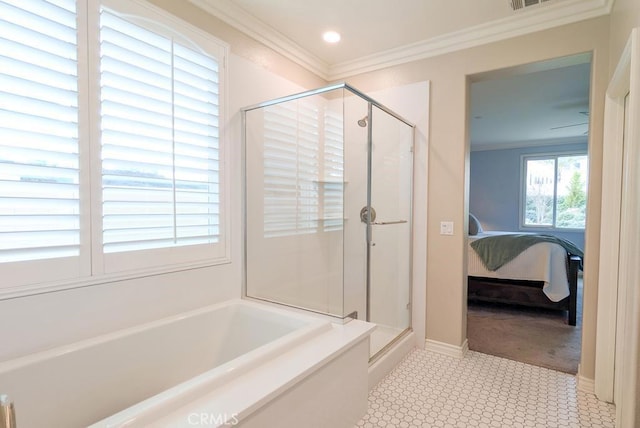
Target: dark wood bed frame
{"x": 527, "y": 293}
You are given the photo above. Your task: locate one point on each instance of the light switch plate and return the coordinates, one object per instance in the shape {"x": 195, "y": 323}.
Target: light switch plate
{"x": 446, "y": 228}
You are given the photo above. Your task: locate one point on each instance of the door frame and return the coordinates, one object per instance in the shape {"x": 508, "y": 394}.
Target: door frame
{"x": 618, "y": 298}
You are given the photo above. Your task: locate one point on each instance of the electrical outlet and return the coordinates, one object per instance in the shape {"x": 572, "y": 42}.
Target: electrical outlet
{"x": 446, "y": 228}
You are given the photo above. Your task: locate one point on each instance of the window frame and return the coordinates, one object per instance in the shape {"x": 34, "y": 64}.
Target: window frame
{"x": 138, "y": 12}
{"x": 523, "y": 190}
{"x": 93, "y": 266}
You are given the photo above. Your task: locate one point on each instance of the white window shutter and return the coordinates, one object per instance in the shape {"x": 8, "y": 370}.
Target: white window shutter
{"x": 39, "y": 164}
{"x": 303, "y": 169}
{"x": 160, "y": 140}
{"x": 333, "y": 168}
{"x": 291, "y": 168}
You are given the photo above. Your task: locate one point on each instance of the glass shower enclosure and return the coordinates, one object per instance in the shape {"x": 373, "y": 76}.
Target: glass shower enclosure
{"x": 328, "y": 190}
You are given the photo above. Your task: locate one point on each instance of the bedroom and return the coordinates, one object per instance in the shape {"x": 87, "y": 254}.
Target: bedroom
{"x": 523, "y": 118}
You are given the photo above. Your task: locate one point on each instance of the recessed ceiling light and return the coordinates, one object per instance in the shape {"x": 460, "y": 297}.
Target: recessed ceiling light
{"x": 331, "y": 36}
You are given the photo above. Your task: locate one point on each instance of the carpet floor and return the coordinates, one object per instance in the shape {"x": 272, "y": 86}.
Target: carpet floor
{"x": 534, "y": 336}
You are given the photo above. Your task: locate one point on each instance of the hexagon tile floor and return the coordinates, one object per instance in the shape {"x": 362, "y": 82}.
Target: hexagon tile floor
{"x": 433, "y": 390}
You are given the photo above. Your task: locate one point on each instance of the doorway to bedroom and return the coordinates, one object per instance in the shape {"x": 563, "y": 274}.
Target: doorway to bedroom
{"x": 528, "y": 186}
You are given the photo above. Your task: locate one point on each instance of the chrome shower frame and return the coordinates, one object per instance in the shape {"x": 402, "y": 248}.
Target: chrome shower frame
{"x": 365, "y": 121}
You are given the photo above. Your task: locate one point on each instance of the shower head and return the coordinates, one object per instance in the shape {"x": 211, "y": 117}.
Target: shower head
{"x": 363, "y": 122}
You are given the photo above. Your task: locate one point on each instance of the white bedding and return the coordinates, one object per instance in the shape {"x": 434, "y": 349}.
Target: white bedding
{"x": 544, "y": 261}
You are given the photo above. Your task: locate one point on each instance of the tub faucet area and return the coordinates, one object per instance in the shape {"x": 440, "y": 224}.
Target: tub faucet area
{"x": 7, "y": 412}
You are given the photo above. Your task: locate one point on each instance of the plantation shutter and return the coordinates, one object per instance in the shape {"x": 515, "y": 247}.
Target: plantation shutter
{"x": 333, "y": 168}
{"x": 291, "y": 169}
{"x": 159, "y": 138}
{"x": 39, "y": 164}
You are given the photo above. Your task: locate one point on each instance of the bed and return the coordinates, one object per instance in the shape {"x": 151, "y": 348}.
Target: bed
{"x": 544, "y": 275}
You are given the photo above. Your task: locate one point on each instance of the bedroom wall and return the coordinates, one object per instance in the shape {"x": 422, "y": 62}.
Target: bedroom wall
{"x": 448, "y": 166}
{"x": 494, "y": 193}
{"x": 46, "y": 320}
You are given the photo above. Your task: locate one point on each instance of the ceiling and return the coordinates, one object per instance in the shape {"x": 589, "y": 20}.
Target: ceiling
{"x": 547, "y": 106}
{"x": 383, "y": 33}
{"x": 370, "y": 26}
{"x": 519, "y": 105}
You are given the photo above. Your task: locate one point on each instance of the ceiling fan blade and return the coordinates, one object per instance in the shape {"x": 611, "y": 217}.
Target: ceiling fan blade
{"x": 569, "y": 126}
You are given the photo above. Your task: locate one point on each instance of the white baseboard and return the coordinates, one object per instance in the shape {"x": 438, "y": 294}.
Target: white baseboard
{"x": 465, "y": 347}
{"x": 585, "y": 384}
{"x": 446, "y": 348}
{"x": 383, "y": 366}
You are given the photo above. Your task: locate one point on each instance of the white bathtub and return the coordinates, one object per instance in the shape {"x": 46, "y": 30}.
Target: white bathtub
{"x": 183, "y": 371}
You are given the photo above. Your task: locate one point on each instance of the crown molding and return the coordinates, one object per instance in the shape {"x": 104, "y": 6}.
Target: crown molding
{"x": 523, "y": 21}
{"x": 265, "y": 34}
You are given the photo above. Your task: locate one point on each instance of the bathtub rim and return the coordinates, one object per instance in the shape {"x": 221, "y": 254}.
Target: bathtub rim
{"x": 186, "y": 391}
{"x": 302, "y": 328}
{"x": 295, "y": 366}
{"x": 60, "y": 350}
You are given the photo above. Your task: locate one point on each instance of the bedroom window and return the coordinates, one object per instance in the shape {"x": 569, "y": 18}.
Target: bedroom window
{"x": 110, "y": 152}
{"x": 555, "y": 191}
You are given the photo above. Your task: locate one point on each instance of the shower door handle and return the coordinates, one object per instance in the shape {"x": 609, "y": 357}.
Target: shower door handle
{"x": 384, "y": 223}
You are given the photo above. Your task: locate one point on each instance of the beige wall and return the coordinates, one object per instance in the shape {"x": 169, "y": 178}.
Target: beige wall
{"x": 448, "y": 162}
{"x": 625, "y": 15}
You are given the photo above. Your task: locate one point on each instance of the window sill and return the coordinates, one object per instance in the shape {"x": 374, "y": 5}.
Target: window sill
{"x": 41, "y": 288}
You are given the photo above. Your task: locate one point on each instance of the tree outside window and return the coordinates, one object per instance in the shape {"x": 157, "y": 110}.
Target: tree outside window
{"x": 555, "y": 191}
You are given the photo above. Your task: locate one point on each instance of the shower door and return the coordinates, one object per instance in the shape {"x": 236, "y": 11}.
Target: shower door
{"x": 317, "y": 165}
{"x": 388, "y": 223}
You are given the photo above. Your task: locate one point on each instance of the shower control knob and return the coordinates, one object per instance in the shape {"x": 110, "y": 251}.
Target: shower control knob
{"x": 364, "y": 214}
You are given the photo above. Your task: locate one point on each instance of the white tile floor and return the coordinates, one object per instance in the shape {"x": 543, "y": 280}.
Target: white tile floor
{"x": 433, "y": 390}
